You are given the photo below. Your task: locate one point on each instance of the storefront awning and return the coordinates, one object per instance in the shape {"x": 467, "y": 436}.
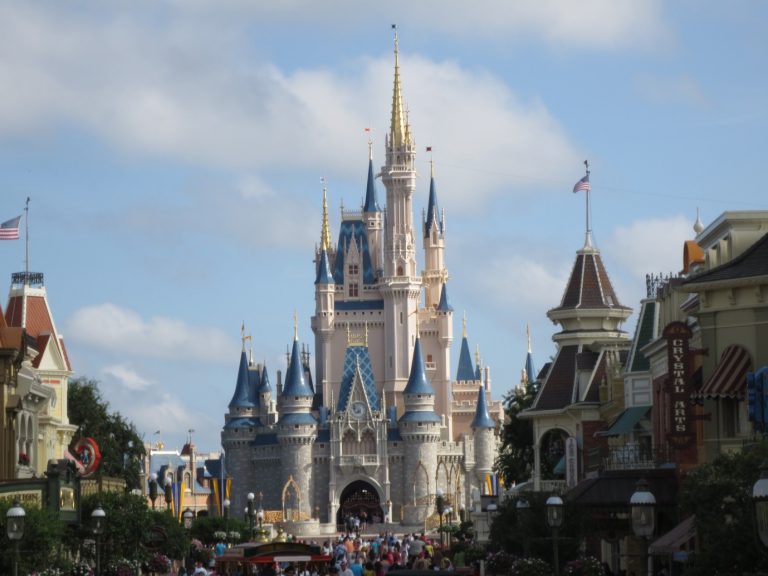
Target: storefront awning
{"x": 729, "y": 380}
{"x": 626, "y": 422}
{"x": 677, "y": 539}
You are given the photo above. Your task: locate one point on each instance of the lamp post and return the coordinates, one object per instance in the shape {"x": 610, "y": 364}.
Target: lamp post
{"x": 98, "y": 523}
{"x": 262, "y": 534}
{"x": 15, "y": 530}
{"x": 523, "y": 507}
{"x": 760, "y": 498}
{"x": 642, "y": 507}
{"x": 187, "y": 516}
{"x": 555, "y": 507}
{"x": 250, "y": 512}
{"x": 225, "y": 506}
{"x": 168, "y": 493}
{"x": 153, "y": 488}
{"x": 440, "y": 508}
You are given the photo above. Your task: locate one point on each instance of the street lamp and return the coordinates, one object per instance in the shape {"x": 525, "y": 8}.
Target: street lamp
{"x": 642, "y": 506}
{"x": 523, "y": 507}
{"x": 98, "y": 523}
{"x": 555, "y": 507}
{"x": 15, "y": 530}
{"x": 262, "y": 533}
{"x": 153, "y": 488}
{"x": 168, "y": 493}
{"x": 250, "y": 512}
{"x": 225, "y": 505}
{"x": 440, "y": 508}
{"x": 187, "y": 516}
{"x": 760, "y": 498}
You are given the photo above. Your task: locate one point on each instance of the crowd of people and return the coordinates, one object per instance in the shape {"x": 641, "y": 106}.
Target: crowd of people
{"x": 354, "y": 555}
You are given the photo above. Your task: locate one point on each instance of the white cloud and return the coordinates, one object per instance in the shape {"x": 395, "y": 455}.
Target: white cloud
{"x": 683, "y": 90}
{"x": 516, "y": 282}
{"x": 185, "y": 95}
{"x": 586, "y": 24}
{"x": 648, "y": 246}
{"x": 111, "y": 328}
{"x": 126, "y": 376}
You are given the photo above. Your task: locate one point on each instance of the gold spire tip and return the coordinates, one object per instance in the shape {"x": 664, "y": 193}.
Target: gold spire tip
{"x": 464, "y": 325}
{"x": 296, "y": 326}
{"x": 528, "y": 335}
{"x": 325, "y": 233}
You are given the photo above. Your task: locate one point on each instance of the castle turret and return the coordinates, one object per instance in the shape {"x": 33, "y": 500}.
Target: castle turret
{"x": 296, "y": 432}
{"x": 483, "y": 428}
{"x": 420, "y": 429}
{"x": 401, "y": 284}
{"x": 373, "y": 217}
{"x": 435, "y": 274}
{"x": 323, "y": 322}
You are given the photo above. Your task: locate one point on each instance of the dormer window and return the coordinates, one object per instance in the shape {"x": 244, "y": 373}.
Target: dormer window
{"x": 353, "y": 269}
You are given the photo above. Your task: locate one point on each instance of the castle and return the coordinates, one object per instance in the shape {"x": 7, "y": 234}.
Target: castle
{"x": 382, "y": 428}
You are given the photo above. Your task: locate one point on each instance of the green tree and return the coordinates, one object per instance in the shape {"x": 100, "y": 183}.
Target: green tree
{"x": 40, "y": 545}
{"x": 719, "y": 493}
{"x": 122, "y": 450}
{"x": 515, "y": 459}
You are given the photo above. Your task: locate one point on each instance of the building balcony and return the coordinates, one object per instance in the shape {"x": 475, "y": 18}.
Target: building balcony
{"x": 631, "y": 456}
{"x": 362, "y": 462}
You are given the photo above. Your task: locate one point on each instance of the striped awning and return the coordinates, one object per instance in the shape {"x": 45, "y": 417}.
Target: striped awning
{"x": 729, "y": 380}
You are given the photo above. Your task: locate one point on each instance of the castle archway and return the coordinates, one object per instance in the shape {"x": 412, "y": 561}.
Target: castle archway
{"x": 360, "y": 500}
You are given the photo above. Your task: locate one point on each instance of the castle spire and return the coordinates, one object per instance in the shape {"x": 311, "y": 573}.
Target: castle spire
{"x": 325, "y": 234}
{"x": 398, "y": 136}
{"x": 433, "y": 210}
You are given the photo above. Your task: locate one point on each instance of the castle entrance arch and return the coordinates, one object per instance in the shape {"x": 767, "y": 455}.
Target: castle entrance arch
{"x": 359, "y": 500}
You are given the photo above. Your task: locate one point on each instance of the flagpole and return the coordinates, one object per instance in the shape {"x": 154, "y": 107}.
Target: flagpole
{"x": 588, "y": 240}
{"x": 26, "y": 243}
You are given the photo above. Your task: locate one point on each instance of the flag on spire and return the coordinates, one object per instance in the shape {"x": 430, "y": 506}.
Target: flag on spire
{"x": 9, "y": 230}
{"x": 582, "y": 185}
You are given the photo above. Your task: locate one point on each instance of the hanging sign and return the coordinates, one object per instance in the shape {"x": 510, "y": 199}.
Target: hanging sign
{"x": 678, "y": 336}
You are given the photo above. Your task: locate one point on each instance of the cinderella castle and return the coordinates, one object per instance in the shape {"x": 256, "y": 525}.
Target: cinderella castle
{"x": 382, "y": 427}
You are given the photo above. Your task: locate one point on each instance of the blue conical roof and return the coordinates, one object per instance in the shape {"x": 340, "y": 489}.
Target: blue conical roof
{"x": 465, "y": 372}
{"x": 264, "y": 387}
{"x": 254, "y": 383}
{"x": 295, "y": 385}
{"x": 444, "y": 305}
{"x": 241, "y": 397}
{"x": 324, "y": 275}
{"x": 371, "y": 204}
{"x": 433, "y": 210}
{"x": 530, "y": 370}
{"x": 417, "y": 381}
{"x": 482, "y": 417}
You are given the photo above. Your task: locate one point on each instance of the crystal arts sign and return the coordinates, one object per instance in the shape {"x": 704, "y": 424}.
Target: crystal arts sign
{"x": 678, "y": 336}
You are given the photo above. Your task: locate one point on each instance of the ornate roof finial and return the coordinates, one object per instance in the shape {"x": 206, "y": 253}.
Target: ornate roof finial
{"x": 243, "y": 337}
{"x": 528, "y": 336}
{"x": 397, "y": 129}
{"x": 698, "y": 226}
{"x": 477, "y": 355}
{"x": 295, "y": 326}
{"x": 370, "y": 143}
{"x": 464, "y": 325}
{"x": 325, "y": 234}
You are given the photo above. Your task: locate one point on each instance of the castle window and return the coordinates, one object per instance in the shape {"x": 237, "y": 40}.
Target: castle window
{"x": 429, "y": 357}
{"x": 354, "y": 290}
{"x": 353, "y": 270}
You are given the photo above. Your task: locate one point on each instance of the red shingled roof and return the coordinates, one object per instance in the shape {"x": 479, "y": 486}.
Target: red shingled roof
{"x": 557, "y": 390}
{"x": 589, "y": 285}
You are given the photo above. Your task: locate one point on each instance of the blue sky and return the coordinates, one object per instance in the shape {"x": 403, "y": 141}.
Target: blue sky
{"x": 173, "y": 152}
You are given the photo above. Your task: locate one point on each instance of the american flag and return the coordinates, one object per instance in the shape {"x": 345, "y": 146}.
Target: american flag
{"x": 582, "y": 184}
{"x": 9, "y": 230}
